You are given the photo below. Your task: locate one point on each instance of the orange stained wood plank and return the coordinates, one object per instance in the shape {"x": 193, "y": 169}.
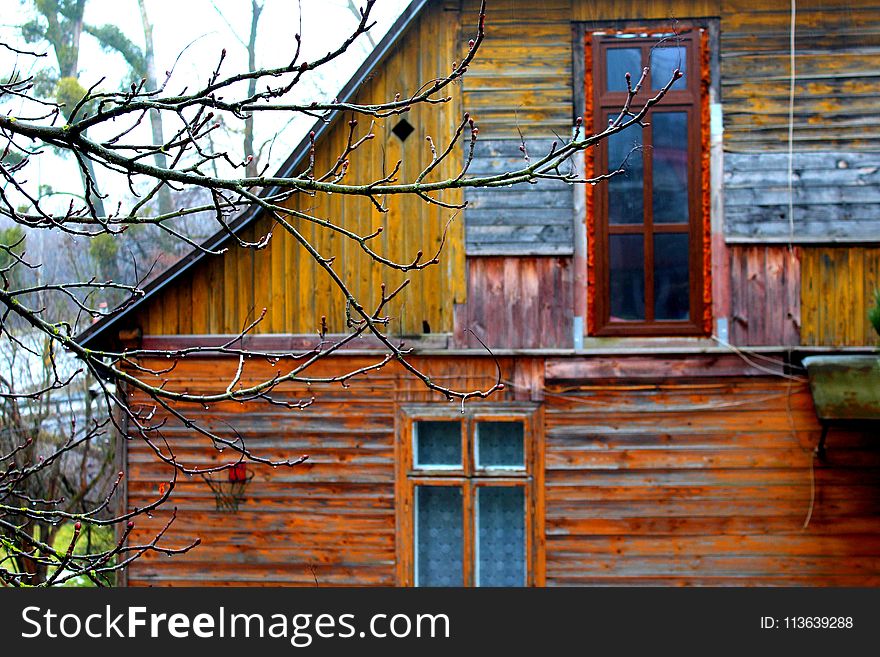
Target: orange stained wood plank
{"x": 707, "y": 492}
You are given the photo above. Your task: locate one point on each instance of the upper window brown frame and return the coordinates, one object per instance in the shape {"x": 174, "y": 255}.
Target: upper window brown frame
{"x": 692, "y": 100}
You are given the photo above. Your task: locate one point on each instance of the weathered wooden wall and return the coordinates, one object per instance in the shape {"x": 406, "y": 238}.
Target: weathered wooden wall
{"x": 835, "y": 186}
{"x": 517, "y": 303}
{"x": 330, "y": 519}
{"x": 765, "y": 295}
{"x": 222, "y": 292}
{"x": 837, "y": 77}
{"x": 836, "y": 292}
{"x": 522, "y": 84}
{"x": 835, "y": 197}
{"x": 522, "y": 219}
{"x": 705, "y": 484}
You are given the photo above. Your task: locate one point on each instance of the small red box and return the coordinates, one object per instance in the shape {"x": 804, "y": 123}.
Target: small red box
{"x": 238, "y": 472}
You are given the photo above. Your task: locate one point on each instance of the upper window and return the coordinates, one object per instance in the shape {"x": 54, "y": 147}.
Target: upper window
{"x": 467, "y": 491}
{"x": 649, "y": 225}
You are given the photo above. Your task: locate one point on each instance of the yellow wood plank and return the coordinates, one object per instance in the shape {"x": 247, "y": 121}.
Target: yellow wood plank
{"x": 185, "y": 307}
{"x": 222, "y": 291}
{"x": 871, "y": 283}
{"x": 169, "y": 310}
{"x": 200, "y": 301}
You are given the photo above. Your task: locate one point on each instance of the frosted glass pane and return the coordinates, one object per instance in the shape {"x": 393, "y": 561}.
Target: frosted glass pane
{"x": 437, "y": 443}
{"x": 439, "y": 536}
{"x": 501, "y": 536}
{"x": 500, "y": 444}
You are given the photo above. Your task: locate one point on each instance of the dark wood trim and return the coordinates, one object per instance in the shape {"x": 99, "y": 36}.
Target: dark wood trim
{"x": 690, "y": 101}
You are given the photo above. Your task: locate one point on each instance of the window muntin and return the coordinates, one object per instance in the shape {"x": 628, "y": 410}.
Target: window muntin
{"x": 469, "y": 524}
{"x": 648, "y": 225}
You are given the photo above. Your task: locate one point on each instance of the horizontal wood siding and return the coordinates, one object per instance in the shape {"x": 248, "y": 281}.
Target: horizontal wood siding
{"x": 517, "y": 303}
{"x": 330, "y": 520}
{"x": 765, "y": 295}
{"x": 223, "y": 293}
{"x": 836, "y": 292}
{"x": 520, "y": 88}
{"x": 834, "y": 188}
{"x": 522, "y": 219}
{"x": 705, "y": 484}
{"x": 837, "y": 77}
{"x": 836, "y": 197}
{"x": 520, "y": 82}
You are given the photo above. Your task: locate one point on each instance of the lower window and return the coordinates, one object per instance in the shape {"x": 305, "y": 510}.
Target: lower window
{"x": 468, "y": 487}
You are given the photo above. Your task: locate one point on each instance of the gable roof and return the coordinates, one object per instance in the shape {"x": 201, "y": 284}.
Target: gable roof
{"x": 99, "y": 329}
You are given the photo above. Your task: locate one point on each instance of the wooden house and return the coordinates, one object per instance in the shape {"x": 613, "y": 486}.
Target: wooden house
{"x": 656, "y": 426}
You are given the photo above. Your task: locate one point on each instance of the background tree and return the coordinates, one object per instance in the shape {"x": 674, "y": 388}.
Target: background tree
{"x": 105, "y": 129}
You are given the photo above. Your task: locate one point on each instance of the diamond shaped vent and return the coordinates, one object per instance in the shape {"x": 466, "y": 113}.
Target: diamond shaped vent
{"x": 403, "y": 129}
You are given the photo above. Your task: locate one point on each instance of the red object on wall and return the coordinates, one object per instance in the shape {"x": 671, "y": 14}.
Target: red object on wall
{"x": 238, "y": 472}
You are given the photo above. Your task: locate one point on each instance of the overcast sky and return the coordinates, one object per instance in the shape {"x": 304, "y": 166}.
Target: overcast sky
{"x": 195, "y": 31}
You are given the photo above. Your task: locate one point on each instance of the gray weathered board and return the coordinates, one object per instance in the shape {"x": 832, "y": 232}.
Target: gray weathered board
{"x": 523, "y": 219}
{"x": 836, "y": 197}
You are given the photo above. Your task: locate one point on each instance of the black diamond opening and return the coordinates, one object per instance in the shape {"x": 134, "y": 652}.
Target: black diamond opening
{"x": 403, "y": 129}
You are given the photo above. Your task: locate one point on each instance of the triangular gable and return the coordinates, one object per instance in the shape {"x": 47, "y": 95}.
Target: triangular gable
{"x": 99, "y": 329}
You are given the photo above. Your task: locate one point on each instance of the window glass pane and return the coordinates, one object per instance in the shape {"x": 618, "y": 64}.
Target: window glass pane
{"x": 439, "y": 536}
{"x": 619, "y": 62}
{"x": 501, "y": 536}
{"x": 625, "y": 197}
{"x": 670, "y": 180}
{"x": 671, "y": 290}
{"x": 500, "y": 444}
{"x": 664, "y": 61}
{"x": 627, "y": 277}
{"x": 437, "y": 444}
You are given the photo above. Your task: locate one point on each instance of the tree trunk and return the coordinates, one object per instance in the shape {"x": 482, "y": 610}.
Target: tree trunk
{"x": 251, "y": 166}
{"x": 165, "y": 203}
